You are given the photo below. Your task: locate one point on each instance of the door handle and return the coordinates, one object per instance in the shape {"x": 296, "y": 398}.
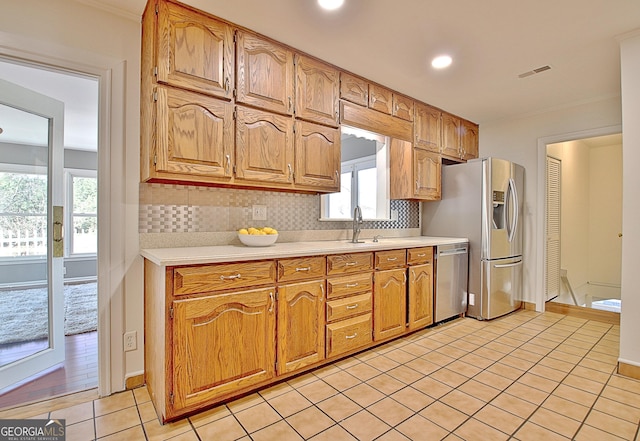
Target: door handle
{"x": 508, "y": 265}
{"x": 58, "y": 231}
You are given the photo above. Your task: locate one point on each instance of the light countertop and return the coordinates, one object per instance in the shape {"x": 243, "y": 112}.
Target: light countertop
{"x": 237, "y": 253}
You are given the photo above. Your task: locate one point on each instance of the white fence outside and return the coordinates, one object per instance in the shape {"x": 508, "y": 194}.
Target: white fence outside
{"x": 23, "y": 243}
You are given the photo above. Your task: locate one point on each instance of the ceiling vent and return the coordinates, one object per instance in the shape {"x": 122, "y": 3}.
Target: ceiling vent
{"x": 534, "y": 71}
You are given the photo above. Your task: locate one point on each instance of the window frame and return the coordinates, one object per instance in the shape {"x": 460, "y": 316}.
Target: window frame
{"x": 69, "y": 174}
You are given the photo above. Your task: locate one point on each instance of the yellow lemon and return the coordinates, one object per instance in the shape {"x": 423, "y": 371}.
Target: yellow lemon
{"x": 243, "y": 231}
{"x": 273, "y": 231}
{"x": 252, "y": 230}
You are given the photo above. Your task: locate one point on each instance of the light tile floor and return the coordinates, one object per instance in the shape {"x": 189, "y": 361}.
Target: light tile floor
{"x": 526, "y": 376}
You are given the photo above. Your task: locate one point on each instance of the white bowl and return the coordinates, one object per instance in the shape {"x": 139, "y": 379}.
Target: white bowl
{"x": 264, "y": 240}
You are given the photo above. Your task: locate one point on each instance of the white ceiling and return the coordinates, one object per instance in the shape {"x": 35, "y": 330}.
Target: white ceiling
{"x": 491, "y": 41}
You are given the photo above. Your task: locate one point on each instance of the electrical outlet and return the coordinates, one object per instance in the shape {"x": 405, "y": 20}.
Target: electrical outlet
{"x": 394, "y": 214}
{"x": 259, "y": 213}
{"x": 130, "y": 341}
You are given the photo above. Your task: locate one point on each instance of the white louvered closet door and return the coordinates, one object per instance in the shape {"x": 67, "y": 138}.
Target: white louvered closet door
{"x": 554, "y": 173}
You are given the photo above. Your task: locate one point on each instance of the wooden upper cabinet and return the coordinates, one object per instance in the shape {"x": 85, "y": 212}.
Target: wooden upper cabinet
{"x": 194, "y": 134}
{"x": 317, "y": 156}
{"x": 380, "y": 99}
{"x": 450, "y": 135}
{"x": 264, "y": 146}
{"x": 194, "y": 51}
{"x": 354, "y": 89}
{"x": 264, "y": 73}
{"x": 469, "y": 141}
{"x": 403, "y": 107}
{"x": 428, "y": 127}
{"x": 317, "y": 91}
{"x": 427, "y": 169}
{"x": 415, "y": 173}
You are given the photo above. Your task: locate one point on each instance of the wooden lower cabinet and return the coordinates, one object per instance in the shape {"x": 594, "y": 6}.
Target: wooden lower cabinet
{"x": 389, "y": 299}
{"x": 300, "y": 325}
{"x": 211, "y": 340}
{"x": 347, "y": 335}
{"x": 420, "y": 296}
{"x": 215, "y": 331}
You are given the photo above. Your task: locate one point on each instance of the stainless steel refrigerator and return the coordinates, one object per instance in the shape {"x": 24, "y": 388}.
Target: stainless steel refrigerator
{"x": 483, "y": 200}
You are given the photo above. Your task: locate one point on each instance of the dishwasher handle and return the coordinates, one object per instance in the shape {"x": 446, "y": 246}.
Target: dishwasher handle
{"x": 452, "y": 252}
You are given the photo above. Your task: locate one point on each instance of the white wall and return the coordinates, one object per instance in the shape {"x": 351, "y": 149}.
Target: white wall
{"x": 629, "y": 323}
{"x": 69, "y": 33}
{"x": 517, "y": 140}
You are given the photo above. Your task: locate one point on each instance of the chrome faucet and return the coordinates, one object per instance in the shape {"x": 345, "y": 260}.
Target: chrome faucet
{"x": 357, "y": 221}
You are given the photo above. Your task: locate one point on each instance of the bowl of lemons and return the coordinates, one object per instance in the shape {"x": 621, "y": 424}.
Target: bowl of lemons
{"x": 258, "y": 237}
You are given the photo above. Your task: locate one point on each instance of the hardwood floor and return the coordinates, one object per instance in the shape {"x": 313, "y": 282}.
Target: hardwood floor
{"x": 78, "y": 372}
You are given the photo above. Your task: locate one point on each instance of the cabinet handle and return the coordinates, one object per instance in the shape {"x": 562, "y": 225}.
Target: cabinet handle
{"x": 349, "y": 263}
{"x": 421, "y": 255}
{"x": 272, "y": 301}
{"x": 352, "y": 306}
{"x": 226, "y": 84}
{"x": 391, "y": 259}
{"x": 351, "y": 285}
{"x": 417, "y": 186}
{"x": 405, "y": 277}
{"x": 231, "y": 277}
{"x": 337, "y": 176}
{"x": 303, "y": 269}
{"x": 228, "y": 163}
{"x": 290, "y": 172}
{"x": 290, "y": 104}
{"x": 348, "y": 337}
{"x": 322, "y": 290}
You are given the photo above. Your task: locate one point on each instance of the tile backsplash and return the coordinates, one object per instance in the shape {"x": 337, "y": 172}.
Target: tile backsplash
{"x": 169, "y": 208}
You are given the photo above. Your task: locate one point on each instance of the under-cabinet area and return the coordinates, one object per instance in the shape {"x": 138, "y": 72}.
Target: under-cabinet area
{"x": 225, "y": 106}
{"x": 220, "y": 326}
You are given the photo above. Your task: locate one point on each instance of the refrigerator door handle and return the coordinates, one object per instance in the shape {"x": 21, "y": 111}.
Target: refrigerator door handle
{"x": 508, "y": 265}
{"x": 512, "y": 197}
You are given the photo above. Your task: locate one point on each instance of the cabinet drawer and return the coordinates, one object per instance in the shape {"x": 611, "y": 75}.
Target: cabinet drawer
{"x": 349, "y": 263}
{"x": 347, "y": 285}
{"x": 195, "y": 279}
{"x": 300, "y": 268}
{"x": 348, "y": 307}
{"x": 391, "y": 259}
{"x": 346, "y": 335}
{"x": 418, "y": 256}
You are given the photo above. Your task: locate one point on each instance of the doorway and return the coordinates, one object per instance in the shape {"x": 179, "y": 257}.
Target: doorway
{"x": 583, "y": 262}
{"x": 25, "y": 270}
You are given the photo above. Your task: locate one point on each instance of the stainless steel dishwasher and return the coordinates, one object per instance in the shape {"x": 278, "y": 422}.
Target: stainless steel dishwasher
{"x": 452, "y": 279}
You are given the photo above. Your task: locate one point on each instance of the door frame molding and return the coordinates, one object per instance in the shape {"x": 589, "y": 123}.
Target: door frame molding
{"x": 541, "y": 203}
{"x": 111, "y": 75}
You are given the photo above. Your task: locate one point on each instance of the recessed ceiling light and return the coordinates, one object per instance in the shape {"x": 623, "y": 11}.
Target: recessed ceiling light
{"x": 330, "y": 4}
{"x": 441, "y": 61}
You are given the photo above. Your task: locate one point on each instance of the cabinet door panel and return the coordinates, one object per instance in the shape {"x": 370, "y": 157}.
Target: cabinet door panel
{"x": 207, "y": 333}
{"x": 300, "y": 325}
{"x": 403, "y": 107}
{"x": 194, "y": 51}
{"x": 469, "y": 141}
{"x": 420, "y": 296}
{"x": 428, "y": 128}
{"x": 317, "y": 88}
{"x": 381, "y": 99}
{"x": 426, "y": 170}
{"x": 451, "y": 127}
{"x": 389, "y": 303}
{"x": 317, "y": 156}
{"x": 264, "y": 146}
{"x": 354, "y": 89}
{"x": 194, "y": 134}
{"x": 265, "y": 74}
